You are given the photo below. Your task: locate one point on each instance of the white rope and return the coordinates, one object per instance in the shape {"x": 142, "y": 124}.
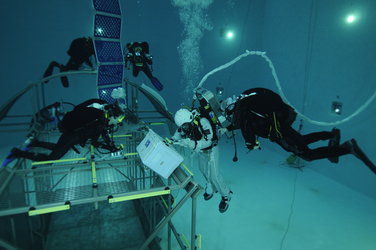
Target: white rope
{"x": 271, "y": 66}
{"x": 224, "y": 66}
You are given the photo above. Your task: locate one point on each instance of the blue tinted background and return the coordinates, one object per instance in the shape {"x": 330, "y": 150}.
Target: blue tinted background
{"x": 318, "y": 58}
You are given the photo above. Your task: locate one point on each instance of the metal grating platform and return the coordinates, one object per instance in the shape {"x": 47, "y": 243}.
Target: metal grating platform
{"x": 84, "y": 177}
{"x": 93, "y": 177}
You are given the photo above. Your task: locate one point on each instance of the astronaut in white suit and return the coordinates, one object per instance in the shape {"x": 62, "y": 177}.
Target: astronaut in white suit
{"x": 198, "y": 134}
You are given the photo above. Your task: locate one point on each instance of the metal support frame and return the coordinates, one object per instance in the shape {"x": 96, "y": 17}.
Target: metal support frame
{"x": 52, "y": 177}
{"x": 131, "y": 169}
{"x": 193, "y": 189}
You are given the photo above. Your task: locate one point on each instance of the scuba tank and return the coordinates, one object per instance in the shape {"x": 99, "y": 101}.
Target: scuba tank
{"x": 211, "y": 105}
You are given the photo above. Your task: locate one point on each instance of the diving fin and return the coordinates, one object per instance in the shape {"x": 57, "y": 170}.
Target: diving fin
{"x": 8, "y": 160}
{"x": 354, "y": 149}
{"x": 12, "y": 155}
{"x": 157, "y": 84}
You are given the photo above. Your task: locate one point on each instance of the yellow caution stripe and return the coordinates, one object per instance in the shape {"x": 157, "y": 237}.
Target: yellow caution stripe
{"x": 165, "y": 202}
{"x": 199, "y": 241}
{"x": 157, "y": 123}
{"x": 93, "y": 168}
{"x": 93, "y": 173}
{"x": 130, "y": 154}
{"x": 56, "y": 161}
{"x": 117, "y": 136}
{"x": 182, "y": 236}
{"x": 33, "y": 212}
{"x": 186, "y": 168}
{"x": 138, "y": 196}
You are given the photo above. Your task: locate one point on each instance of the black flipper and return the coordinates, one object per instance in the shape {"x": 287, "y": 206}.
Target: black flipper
{"x": 356, "y": 151}
{"x": 15, "y": 153}
{"x": 157, "y": 84}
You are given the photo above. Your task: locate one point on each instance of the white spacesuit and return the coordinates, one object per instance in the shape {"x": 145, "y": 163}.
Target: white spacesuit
{"x": 197, "y": 133}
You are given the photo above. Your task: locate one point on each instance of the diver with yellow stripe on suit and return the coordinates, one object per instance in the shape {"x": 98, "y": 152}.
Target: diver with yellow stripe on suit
{"x": 259, "y": 112}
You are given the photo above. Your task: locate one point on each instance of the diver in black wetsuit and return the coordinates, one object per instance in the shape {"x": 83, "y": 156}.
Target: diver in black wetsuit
{"x": 260, "y": 112}
{"x": 80, "y": 51}
{"x": 82, "y": 124}
{"x": 138, "y": 55}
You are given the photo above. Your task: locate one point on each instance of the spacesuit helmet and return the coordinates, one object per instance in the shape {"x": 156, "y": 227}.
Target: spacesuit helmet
{"x": 183, "y": 116}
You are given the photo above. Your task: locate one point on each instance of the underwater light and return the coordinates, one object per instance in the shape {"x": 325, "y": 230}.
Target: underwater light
{"x": 229, "y": 34}
{"x": 337, "y": 107}
{"x": 351, "y": 18}
{"x": 219, "y": 91}
{"x": 99, "y": 30}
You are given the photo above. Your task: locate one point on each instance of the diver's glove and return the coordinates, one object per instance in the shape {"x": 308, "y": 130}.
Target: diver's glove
{"x": 252, "y": 146}
{"x": 185, "y": 143}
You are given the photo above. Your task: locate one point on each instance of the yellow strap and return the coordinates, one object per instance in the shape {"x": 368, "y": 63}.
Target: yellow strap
{"x": 195, "y": 121}
{"x": 276, "y": 124}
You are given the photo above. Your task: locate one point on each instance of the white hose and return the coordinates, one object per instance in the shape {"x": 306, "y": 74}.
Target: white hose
{"x": 271, "y": 66}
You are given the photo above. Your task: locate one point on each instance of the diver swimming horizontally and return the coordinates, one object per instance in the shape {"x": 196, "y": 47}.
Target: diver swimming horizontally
{"x": 259, "y": 112}
{"x": 140, "y": 59}
{"x": 80, "y": 52}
